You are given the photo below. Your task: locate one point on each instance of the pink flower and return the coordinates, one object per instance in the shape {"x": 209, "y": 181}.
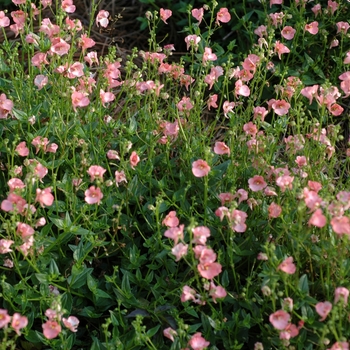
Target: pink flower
{"x": 212, "y": 99}
{"x": 15, "y": 184}
{"x": 332, "y": 6}
{"x": 323, "y": 309}
{"x": 185, "y": 105}
{"x": 79, "y": 99}
{"x": 223, "y": 16}
{"x": 169, "y": 333}
{"x": 290, "y": 331}
{"x": 96, "y": 171}
{"x": 200, "y": 235}
{"x": 347, "y": 58}
{"x": 93, "y": 195}
{"x": 280, "y": 49}
{"x": 274, "y": 210}
{"x": 335, "y": 109}
{"x": 102, "y": 19}
{"x": 134, "y": 159}
{"x": 241, "y": 89}
{"x": 22, "y": 149}
{"x": 171, "y": 220}
{"x": 228, "y": 107}
{"x": 175, "y": 233}
{"x": 198, "y": 14}
{"x": 44, "y": 197}
{"x": 59, "y": 47}
{"x": 18, "y": 322}
{"x": 216, "y": 292}
{"x": 179, "y": 250}
{"x": 106, "y": 97}
{"x": 310, "y": 92}
{"x": 312, "y": 28}
{"x": 4, "y": 318}
{"x": 5, "y": 245}
{"x": 341, "y": 225}
{"x": 221, "y": 148}
{"x": 197, "y": 342}
{"x": 340, "y": 346}
{"x": 71, "y": 323}
{"x": 341, "y": 292}
{"x": 238, "y": 219}
{"x": 317, "y": 10}
{"x": 288, "y": 32}
{"x": 24, "y": 230}
{"x": 192, "y": 40}
{"x": 318, "y": 219}
{"x": 280, "y": 107}
{"x": 287, "y": 266}
{"x": 208, "y": 55}
{"x": 119, "y": 177}
{"x": 51, "y": 329}
{"x": 284, "y": 182}
{"x": 200, "y": 168}
{"x": 188, "y": 294}
{"x": 112, "y": 154}
{"x": 280, "y": 319}
{"x": 6, "y": 106}
{"x": 275, "y": 2}
{"x": 209, "y": 270}
{"x": 4, "y": 21}
{"x": 67, "y": 6}
{"x": 257, "y": 183}
{"x": 342, "y": 27}
{"x": 165, "y": 14}
{"x": 226, "y": 197}
{"x": 40, "y": 81}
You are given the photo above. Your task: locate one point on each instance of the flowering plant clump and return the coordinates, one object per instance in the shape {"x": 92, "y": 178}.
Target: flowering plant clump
{"x": 191, "y": 201}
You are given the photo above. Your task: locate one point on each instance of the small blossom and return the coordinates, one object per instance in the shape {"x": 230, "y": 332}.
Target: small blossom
{"x": 5, "y": 319}
{"x": 312, "y": 28}
{"x": 18, "y": 322}
{"x": 323, "y": 309}
{"x": 223, "y": 16}
{"x": 341, "y": 293}
{"x": 169, "y": 333}
{"x": 200, "y": 168}
{"x": 102, "y": 19}
{"x": 71, "y": 323}
{"x": 165, "y": 14}
{"x": 93, "y": 195}
{"x": 197, "y": 342}
{"x": 51, "y": 329}
{"x": 280, "y": 319}
{"x": 287, "y": 266}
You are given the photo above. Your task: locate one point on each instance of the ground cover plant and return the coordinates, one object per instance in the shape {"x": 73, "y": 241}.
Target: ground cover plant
{"x": 193, "y": 202}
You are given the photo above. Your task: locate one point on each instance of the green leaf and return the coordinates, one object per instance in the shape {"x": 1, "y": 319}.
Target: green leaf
{"x": 79, "y": 276}
{"x": 304, "y": 284}
{"x": 53, "y": 268}
{"x": 99, "y": 293}
{"x": 42, "y": 277}
{"x": 153, "y": 331}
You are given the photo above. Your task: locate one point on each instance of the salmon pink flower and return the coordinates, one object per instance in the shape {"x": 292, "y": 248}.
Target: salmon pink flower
{"x": 212, "y": 99}
{"x": 347, "y": 58}
{"x": 5, "y": 319}
{"x": 209, "y": 270}
{"x": 102, "y": 19}
{"x": 317, "y": 9}
{"x": 119, "y": 177}
{"x": 275, "y": 2}
{"x": 40, "y": 81}
{"x": 341, "y": 293}
{"x": 280, "y": 107}
{"x": 79, "y": 99}
{"x": 274, "y": 210}
{"x": 18, "y": 322}
{"x": 192, "y": 41}
{"x": 67, "y": 6}
{"x": 288, "y": 32}
{"x": 287, "y": 266}
{"x": 332, "y": 6}
{"x": 24, "y": 230}
{"x": 171, "y": 220}
{"x": 340, "y": 346}
{"x": 200, "y": 235}
{"x": 4, "y": 21}
{"x": 188, "y": 294}
{"x": 197, "y": 342}
{"x": 341, "y": 225}
{"x": 165, "y": 14}
{"x": 238, "y": 219}
{"x": 208, "y": 55}
{"x": 323, "y": 309}
{"x": 169, "y": 333}
{"x": 6, "y": 106}
{"x": 200, "y": 168}
{"x": 134, "y": 159}
{"x": 216, "y": 292}
{"x": 223, "y": 16}
{"x": 71, "y": 323}
{"x": 342, "y": 27}
{"x": 5, "y": 245}
{"x": 22, "y": 149}
{"x": 228, "y": 107}
{"x": 335, "y": 109}
{"x": 280, "y": 319}
{"x": 93, "y": 195}
{"x": 15, "y": 184}
{"x": 312, "y": 28}
{"x": 44, "y": 197}
{"x": 51, "y": 329}
{"x": 221, "y": 148}
{"x": 290, "y": 331}
{"x": 175, "y": 233}
{"x": 318, "y": 219}
{"x": 226, "y": 197}
{"x": 257, "y": 183}
{"x": 59, "y": 47}
{"x": 280, "y": 49}
{"x": 96, "y": 171}
{"x": 198, "y": 14}
{"x": 179, "y": 250}
{"x": 284, "y": 182}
